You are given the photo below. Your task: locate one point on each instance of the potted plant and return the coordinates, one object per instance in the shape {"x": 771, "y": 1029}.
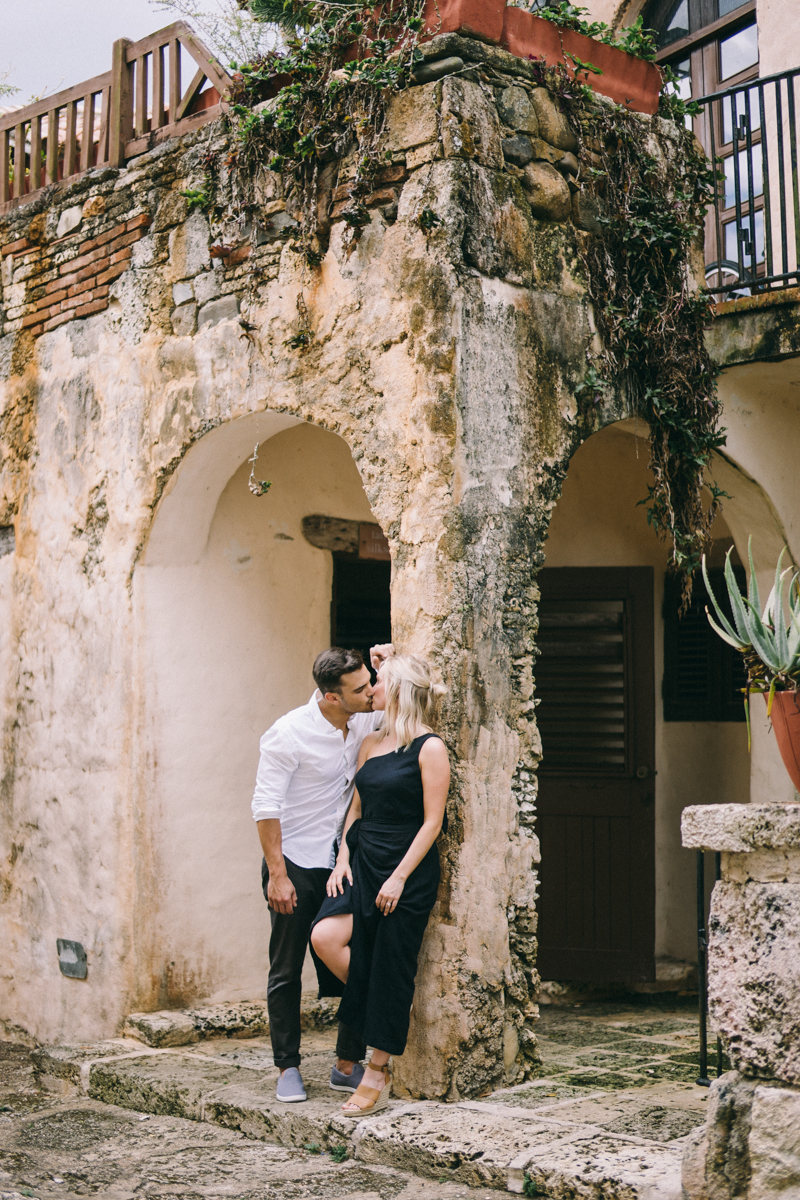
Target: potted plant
{"x": 770, "y": 644}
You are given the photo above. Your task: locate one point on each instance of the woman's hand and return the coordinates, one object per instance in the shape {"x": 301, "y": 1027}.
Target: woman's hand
{"x": 335, "y": 884}
{"x": 389, "y": 896}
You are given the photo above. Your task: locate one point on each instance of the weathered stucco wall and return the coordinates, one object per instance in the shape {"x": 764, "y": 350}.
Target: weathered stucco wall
{"x": 447, "y": 362}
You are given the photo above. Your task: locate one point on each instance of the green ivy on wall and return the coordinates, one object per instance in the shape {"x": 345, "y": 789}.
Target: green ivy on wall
{"x": 341, "y": 64}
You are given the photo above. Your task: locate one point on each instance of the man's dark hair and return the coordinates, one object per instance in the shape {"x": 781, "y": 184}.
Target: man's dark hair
{"x": 331, "y": 665}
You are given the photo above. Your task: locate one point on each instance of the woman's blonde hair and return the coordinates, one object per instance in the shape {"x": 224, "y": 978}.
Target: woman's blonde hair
{"x": 410, "y": 695}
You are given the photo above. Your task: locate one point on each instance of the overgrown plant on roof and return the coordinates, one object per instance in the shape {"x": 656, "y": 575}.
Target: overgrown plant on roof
{"x": 343, "y": 61}
{"x": 342, "y": 64}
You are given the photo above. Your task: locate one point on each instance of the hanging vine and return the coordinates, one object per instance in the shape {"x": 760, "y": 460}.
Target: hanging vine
{"x": 648, "y": 309}
{"x": 341, "y": 64}
{"x": 650, "y": 313}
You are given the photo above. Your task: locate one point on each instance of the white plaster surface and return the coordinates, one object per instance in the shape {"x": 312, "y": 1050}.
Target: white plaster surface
{"x": 226, "y": 646}
{"x": 778, "y": 35}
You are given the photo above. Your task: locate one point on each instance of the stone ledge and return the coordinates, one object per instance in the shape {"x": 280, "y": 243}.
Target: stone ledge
{"x": 770, "y": 299}
{"x": 494, "y": 1143}
{"x": 243, "y": 1019}
{"x": 741, "y": 828}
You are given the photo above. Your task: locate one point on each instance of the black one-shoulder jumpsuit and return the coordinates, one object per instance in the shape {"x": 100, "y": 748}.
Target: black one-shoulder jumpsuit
{"x": 377, "y": 997}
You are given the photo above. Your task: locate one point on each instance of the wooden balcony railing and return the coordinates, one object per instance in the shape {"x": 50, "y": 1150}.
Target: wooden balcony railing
{"x": 113, "y": 117}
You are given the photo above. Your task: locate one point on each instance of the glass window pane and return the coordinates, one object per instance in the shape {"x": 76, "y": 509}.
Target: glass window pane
{"x": 731, "y": 251}
{"x": 677, "y": 26}
{"x": 737, "y": 104}
{"x": 744, "y": 182}
{"x": 738, "y": 52}
{"x": 729, "y": 6}
{"x": 683, "y": 87}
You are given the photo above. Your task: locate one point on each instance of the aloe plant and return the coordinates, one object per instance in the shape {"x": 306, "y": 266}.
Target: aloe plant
{"x": 770, "y": 645}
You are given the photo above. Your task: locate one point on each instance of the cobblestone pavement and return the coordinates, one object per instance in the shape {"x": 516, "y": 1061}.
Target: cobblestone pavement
{"x": 613, "y": 1100}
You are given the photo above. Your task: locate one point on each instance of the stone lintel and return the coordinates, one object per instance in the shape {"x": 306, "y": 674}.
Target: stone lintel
{"x": 741, "y": 828}
{"x": 756, "y": 329}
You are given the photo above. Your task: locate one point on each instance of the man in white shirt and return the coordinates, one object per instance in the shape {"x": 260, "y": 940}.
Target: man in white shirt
{"x": 303, "y": 789}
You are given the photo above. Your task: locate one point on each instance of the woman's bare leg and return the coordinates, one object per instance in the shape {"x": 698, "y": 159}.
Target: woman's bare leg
{"x": 331, "y": 941}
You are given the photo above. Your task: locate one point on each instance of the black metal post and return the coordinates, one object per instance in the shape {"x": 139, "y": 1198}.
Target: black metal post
{"x": 702, "y": 969}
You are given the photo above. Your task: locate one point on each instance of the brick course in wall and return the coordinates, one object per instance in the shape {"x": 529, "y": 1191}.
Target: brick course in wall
{"x": 47, "y": 280}
{"x": 70, "y": 278}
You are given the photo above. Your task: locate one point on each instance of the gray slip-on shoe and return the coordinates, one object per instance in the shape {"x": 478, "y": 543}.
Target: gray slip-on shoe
{"x": 346, "y": 1083}
{"x": 290, "y": 1087}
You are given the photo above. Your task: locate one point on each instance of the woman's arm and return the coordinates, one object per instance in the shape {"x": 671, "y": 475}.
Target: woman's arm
{"x": 434, "y": 766}
{"x": 342, "y": 870}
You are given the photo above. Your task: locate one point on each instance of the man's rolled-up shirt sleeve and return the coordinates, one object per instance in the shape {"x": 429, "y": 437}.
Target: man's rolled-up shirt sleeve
{"x": 276, "y": 765}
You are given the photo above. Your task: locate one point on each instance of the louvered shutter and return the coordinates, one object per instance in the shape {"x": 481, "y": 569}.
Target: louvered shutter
{"x": 580, "y": 681}
{"x": 703, "y": 675}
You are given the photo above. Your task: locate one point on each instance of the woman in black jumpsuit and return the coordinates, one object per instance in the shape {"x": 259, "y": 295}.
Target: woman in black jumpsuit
{"x": 383, "y": 887}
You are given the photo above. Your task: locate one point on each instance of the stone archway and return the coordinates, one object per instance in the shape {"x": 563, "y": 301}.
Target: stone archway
{"x": 598, "y": 523}
{"x": 232, "y": 604}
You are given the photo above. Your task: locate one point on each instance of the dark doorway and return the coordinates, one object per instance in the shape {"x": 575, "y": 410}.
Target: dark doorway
{"x": 596, "y": 687}
{"x": 361, "y": 605}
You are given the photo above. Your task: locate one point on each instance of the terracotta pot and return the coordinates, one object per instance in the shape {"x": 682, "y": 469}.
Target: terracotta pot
{"x": 630, "y": 81}
{"x": 785, "y": 717}
{"x": 482, "y": 19}
{"x": 474, "y": 18}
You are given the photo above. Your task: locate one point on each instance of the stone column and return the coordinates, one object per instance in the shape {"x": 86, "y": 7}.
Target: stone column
{"x": 749, "y": 1147}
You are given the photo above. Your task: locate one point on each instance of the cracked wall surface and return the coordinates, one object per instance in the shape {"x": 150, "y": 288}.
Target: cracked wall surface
{"x": 447, "y": 360}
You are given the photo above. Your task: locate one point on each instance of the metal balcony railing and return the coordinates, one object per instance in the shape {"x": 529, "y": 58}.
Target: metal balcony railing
{"x": 753, "y": 229}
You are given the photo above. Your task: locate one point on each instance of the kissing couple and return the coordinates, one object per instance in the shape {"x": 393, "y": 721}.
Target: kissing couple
{"x": 349, "y": 801}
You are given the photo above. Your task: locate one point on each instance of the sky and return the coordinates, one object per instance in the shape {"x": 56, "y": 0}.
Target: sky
{"x": 47, "y": 45}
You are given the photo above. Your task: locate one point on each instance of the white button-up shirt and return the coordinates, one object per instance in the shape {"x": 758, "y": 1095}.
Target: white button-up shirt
{"x": 305, "y": 779}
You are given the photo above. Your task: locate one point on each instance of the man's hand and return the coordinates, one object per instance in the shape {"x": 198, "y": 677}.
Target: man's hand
{"x": 379, "y": 654}
{"x": 335, "y": 884}
{"x": 281, "y": 896}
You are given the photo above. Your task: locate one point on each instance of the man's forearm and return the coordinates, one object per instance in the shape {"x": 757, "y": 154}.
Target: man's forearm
{"x": 269, "y": 834}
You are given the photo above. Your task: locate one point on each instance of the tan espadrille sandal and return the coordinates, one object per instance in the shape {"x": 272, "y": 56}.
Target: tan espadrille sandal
{"x": 369, "y": 1100}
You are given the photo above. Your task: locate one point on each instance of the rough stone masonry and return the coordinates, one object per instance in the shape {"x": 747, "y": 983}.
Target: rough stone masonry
{"x": 446, "y": 357}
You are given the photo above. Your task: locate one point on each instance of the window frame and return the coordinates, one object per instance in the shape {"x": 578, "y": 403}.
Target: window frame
{"x": 702, "y": 47}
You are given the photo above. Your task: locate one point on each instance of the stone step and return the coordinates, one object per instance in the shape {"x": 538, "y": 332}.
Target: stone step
{"x": 516, "y": 1135}
{"x": 244, "y": 1019}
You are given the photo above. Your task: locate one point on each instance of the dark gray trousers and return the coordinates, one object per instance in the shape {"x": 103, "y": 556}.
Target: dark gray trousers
{"x": 287, "y": 951}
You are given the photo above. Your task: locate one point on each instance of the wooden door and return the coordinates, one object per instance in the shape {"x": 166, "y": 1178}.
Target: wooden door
{"x": 595, "y": 683}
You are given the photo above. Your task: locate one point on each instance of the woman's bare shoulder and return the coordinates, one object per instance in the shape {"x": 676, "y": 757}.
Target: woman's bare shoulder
{"x": 368, "y": 745}
{"x": 433, "y": 750}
